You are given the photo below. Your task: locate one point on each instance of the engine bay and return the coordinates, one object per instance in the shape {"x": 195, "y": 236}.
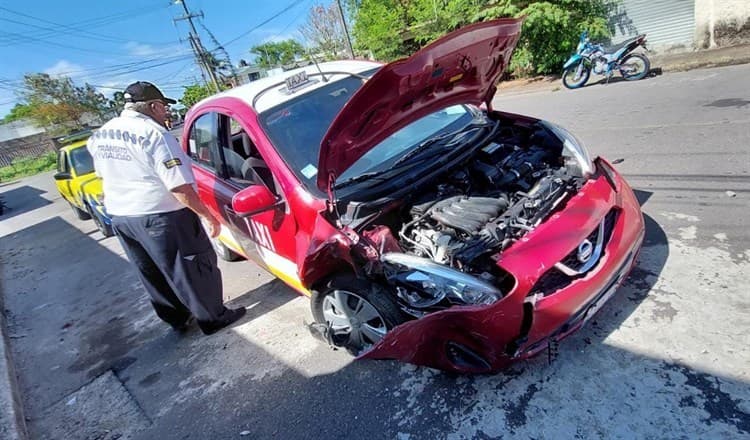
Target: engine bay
{"x": 475, "y": 211}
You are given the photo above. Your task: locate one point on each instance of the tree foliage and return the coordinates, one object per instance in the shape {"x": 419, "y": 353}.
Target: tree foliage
{"x": 324, "y": 32}
{"x": 551, "y": 30}
{"x": 277, "y": 53}
{"x": 19, "y": 111}
{"x": 58, "y": 102}
{"x": 193, "y": 94}
{"x": 392, "y": 29}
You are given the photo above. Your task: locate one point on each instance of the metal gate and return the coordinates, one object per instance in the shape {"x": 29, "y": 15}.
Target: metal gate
{"x": 668, "y": 23}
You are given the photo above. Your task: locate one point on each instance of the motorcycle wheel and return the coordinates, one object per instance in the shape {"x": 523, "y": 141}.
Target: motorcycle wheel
{"x": 569, "y": 76}
{"x": 634, "y": 67}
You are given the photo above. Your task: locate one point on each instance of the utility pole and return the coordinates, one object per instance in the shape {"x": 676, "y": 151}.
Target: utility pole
{"x": 346, "y": 30}
{"x": 195, "y": 43}
{"x": 199, "y": 60}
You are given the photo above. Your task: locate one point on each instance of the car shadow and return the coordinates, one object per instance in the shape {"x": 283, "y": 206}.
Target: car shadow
{"x": 20, "y": 200}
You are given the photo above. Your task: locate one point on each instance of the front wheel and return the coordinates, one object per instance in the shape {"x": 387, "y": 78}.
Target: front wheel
{"x": 634, "y": 67}
{"x": 576, "y": 75}
{"x": 357, "y": 313}
{"x": 103, "y": 227}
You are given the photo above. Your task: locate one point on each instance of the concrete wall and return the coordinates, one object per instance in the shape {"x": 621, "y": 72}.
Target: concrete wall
{"x": 721, "y": 23}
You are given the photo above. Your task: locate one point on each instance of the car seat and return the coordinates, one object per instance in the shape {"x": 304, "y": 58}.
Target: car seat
{"x": 254, "y": 168}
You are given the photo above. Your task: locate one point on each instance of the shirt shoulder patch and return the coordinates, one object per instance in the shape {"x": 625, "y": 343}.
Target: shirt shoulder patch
{"x": 171, "y": 163}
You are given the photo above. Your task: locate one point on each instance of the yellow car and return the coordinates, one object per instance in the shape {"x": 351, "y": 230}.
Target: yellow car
{"x": 79, "y": 185}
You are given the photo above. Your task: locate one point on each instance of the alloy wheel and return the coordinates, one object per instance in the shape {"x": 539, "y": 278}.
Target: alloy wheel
{"x": 349, "y": 313}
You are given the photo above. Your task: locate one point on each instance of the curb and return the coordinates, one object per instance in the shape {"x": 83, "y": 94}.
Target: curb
{"x": 12, "y": 420}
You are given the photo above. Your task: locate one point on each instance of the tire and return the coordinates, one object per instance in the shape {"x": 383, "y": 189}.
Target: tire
{"x": 357, "y": 312}
{"x": 223, "y": 251}
{"x": 104, "y": 228}
{"x": 571, "y": 71}
{"x": 81, "y": 214}
{"x": 640, "y": 73}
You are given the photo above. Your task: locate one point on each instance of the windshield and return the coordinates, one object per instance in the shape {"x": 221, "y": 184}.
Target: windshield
{"x": 403, "y": 140}
{"x": 82, "y": 161}
{"x": 297, "y": 127}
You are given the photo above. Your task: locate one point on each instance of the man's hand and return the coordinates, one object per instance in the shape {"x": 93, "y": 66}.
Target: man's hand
{"x": 213, "y": 227}
{"x": 186, "y": 195}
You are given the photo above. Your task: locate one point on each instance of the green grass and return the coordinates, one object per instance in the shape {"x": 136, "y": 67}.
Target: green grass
{"x": 28, "y": 166}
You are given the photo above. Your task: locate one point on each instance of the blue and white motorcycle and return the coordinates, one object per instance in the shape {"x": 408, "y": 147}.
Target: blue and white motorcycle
{"x": 605, "y": 61}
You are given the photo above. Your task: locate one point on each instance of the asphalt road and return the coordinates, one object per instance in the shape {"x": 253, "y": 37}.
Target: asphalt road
{"x": 667, "y": 357}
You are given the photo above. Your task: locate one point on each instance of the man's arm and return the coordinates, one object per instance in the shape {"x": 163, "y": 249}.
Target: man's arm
{"x": 186, "y": 195}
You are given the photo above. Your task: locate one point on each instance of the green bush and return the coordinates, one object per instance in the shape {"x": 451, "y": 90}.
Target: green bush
{"x": 550, "y": 30}
{"x": 28, "y": 166}
{"x": 392, "y": 29}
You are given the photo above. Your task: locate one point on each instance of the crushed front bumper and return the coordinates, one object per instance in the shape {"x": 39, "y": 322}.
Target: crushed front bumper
{"x": 532, "y": 314}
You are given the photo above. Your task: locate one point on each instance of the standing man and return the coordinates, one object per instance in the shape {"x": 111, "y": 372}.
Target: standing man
{"x": 156, "y": 213}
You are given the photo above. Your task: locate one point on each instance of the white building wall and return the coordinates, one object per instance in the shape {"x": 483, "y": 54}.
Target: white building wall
{"x": 721, "y": 23}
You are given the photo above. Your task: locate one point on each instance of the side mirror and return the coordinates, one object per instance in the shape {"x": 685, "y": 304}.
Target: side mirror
{"x": 253, "y": 200}
{"x": 62, "y": 176}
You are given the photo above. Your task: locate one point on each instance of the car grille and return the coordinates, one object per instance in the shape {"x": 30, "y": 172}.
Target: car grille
{"x": 571, "y": 267}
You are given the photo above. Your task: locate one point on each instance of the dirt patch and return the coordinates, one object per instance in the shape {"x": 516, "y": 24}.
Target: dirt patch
{"x": 731, "y": 33}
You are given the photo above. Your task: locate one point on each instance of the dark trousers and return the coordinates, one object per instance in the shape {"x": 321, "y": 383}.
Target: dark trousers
{"x": 176, "y": 264}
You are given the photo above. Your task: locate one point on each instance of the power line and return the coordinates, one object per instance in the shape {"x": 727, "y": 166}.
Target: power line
{"x": 52, "y": 43}
{"x": 264, "y": 22}
{"x": 90, "y": 23}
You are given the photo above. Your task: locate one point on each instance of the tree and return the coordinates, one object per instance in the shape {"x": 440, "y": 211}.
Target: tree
{"x": 277, "y": 53}
{"x": 550, "y": 30}
{"x": 19, "y": 111}
{"x": 396, "y": 28}
{"x": 324, "y": 32}
{"x": 117, "y": 103}
{"x": 58, "y": 102}
{"x": 193, "y": 94}
{"x": 379, "y": 27}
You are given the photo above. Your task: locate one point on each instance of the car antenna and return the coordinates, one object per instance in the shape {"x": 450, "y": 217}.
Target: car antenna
{"x": 316, "y": 65}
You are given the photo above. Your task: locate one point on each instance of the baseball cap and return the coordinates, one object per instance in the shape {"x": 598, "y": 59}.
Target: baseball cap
{"x": 145, "y": 91}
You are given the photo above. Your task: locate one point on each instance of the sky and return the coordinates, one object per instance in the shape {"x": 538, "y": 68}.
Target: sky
{"x": 112, "y": 44}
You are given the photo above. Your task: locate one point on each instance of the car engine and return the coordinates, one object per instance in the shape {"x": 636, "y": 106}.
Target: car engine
{"x": 439, "y": 246}
{"x": 480, "y": 210}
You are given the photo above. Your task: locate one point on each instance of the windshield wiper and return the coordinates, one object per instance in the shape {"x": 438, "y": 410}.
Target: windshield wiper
{"x": 359, "y": 178}
{"x": 454, "y": 137}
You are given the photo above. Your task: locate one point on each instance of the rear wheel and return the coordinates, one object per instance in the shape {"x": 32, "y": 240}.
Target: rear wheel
{"x": 576, "y": 75}
{"x": 358, "y": 313}
{"x": 634, "y": 67}
{"x": 81, "y": 214}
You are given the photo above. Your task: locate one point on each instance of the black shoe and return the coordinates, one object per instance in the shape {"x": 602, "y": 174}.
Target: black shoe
{"x": 184, "y": 327}
{"x": 230, "y": 316}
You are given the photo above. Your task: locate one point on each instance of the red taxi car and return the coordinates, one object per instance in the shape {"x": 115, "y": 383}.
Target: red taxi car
{"x": 424, "y": 225}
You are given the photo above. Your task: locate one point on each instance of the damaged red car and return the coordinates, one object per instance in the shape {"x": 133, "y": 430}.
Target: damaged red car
{"x": 424, "y": 225}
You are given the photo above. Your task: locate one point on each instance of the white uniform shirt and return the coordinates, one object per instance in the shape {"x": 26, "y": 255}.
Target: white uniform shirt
{"x": 139, "y": 163}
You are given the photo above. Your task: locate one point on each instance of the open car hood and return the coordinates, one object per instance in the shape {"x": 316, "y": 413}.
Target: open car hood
{"x": 462, "y": 67}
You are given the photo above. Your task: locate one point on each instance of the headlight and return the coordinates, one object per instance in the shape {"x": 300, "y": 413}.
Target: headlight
{"x": 573, "y": 149}
{"x": 426, "y": 283}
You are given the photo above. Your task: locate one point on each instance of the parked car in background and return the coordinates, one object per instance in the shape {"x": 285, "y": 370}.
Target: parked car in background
{"x": 422, "y": 226}
{"x": 79, "y": 185}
